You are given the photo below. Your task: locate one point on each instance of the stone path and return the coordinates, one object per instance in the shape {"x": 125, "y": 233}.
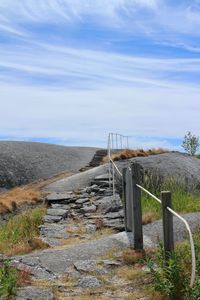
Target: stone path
{"x": 80, "y": 216}
{"x": 93, "y": 205}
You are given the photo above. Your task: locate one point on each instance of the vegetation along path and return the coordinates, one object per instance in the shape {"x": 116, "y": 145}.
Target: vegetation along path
{"x": 86, "y": 258}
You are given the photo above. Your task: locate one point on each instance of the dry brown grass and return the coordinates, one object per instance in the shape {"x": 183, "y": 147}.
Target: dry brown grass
{"x": 129, "y": 273}
{"x": 28, "y": 194}
{"x": 130, "y": 257}
{"x": 24, "y": 277}
{"x": 158, "y": 296}
{"x": 126, "y": 154}
{"x": 149, "y": 217}
{"x": 14, "y": 198}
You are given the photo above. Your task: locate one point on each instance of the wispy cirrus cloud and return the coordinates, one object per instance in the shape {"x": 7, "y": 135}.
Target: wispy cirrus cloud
{"x": 68, "y": 67}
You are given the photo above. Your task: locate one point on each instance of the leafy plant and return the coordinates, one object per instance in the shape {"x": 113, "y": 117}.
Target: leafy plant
{"x": 167, "y": 278}
{"x": 8, "y": 279}
{"x": 190, "y": 143}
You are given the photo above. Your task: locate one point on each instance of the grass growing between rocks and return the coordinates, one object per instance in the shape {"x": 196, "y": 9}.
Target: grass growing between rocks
{"x": 182, "y": 201}
{"x": 11, "y": 278}
{"x": 20, "y": 234}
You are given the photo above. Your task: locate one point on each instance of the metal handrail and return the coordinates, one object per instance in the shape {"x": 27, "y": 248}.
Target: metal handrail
{"x": 193, "y": 272}
{"x": 117, "y": 139}
{"x": 115, "y": 168}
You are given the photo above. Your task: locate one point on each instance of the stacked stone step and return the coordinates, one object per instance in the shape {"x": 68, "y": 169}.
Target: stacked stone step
{"x": 98, "y": 158}
{"x": 93, "y": 204}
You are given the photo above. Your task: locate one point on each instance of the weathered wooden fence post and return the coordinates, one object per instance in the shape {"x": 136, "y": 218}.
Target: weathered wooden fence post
{"x": 124, "y": 198}
{"x": 129, "y": 202}
{"x": 168, "y": 233}
{"x": 137, "y": 207}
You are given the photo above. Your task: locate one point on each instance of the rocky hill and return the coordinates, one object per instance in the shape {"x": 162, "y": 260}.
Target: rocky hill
{"x": 174, "y": 165}
{"x": 23, "y": 162}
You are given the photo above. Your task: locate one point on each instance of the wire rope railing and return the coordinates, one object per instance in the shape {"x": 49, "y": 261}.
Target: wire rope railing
{"x": 118, "y": 142}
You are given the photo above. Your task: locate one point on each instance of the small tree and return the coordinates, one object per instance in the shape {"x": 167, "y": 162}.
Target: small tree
{"x": 190, "y": 143}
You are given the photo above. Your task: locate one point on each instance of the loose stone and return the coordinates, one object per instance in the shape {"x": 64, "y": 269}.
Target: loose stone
{"x": 89, "y": 282}
{"x": 86, "y": 265}
{"x": 88, "y": 209}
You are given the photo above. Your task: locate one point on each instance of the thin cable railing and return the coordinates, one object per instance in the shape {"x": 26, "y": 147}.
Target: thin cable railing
{"x": 193, "y": 271}
{"x": 114, "y": 140}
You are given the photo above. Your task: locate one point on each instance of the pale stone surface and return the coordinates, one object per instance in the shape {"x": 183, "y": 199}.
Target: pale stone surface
{"x": 51, "y": 219}
{"x": 88, "y": 209}
{"x": 86, "y": 265}
{"x": 90, "y": 228}
{"x": 57, "y": 212}
{"x": 89, "y": 282}
{"x": 34, "y": 293}
{"x": 110, "y": 204}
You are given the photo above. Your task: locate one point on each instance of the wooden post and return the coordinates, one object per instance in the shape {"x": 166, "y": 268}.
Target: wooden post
{"x": 137, "y": 208}
{"x": 168, "y": 234}
{"x": 124, "y": 198}
{"x": 129, "y": 202}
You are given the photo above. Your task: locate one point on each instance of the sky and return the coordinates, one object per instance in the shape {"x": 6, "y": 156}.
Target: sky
{"x": 71, "y": 71}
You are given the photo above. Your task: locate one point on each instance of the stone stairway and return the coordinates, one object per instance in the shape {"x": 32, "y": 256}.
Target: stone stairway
{"x": 94, "y": 205}
{"x": 98, "y": 157}
{"x": 96, "y": 160}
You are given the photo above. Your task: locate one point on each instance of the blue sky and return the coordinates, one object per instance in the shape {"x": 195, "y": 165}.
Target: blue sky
{"x": 73, "y": 70}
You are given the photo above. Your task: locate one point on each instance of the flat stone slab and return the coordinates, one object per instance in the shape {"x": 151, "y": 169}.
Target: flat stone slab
{"x": 52, "y": 219}
{"x": 34, "y": 293}
{"x": 115, "y": 215}
{"x": 80, "y": 180}
{"x": 88, "y": 209}
{"x": 89, "y": 282}
{"x": 55, "y": 262}
{"x": 57, "y": 231}
{"x": 54, "y": 197}
{"x": 104, "y": 177}
{"x": 86, "y": 265}
{"x": 82, "y": 200}
{"x": 109, "y": 204}
{"x": 57, "y": 212}
{"x": 52, "y": 263}
{"x": 115, "y": 223}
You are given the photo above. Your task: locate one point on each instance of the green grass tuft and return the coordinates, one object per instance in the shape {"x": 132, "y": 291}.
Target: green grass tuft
{"x": 8, "y": 280}
{"x": 16, "y": 234}
{"x": 183, "y": 200}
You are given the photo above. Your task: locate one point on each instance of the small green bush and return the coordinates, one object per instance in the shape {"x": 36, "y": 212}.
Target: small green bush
{"x": 190, "y": 143}
{"x": 8, "y": 279}
{"x": 168, "y": 278}
{"x": 172, "y": 280}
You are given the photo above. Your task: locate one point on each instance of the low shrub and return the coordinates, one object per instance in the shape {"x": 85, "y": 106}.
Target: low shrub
{"x": 172, "y": 279}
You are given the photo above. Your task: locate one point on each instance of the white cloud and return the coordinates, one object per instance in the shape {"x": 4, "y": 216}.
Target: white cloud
{"x": 91, "y": 69}
{"x": 135, "y": 95}
{"x": 82, "y": 115}
{"x": 131, "y": 15}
